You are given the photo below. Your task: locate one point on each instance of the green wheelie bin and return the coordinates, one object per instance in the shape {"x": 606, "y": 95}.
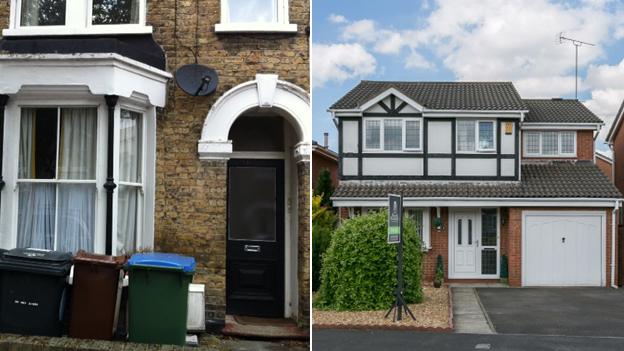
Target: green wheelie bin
{"x": 158, "y": 297}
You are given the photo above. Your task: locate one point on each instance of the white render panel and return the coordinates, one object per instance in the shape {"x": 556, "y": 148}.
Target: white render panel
{"x": 376, "y": 108}
{"x": 408, "y": 109}
{"x": 373, "y": 166}
{"x": 508, "y": 145}
{"x": 508, "y": 168}
{"x": 350, "y": 136}
{"x": 350, "y": 166}
{"x": 475, "y": 167}
{"x": 439, "y": 137}
{"x": 439, "y": 167}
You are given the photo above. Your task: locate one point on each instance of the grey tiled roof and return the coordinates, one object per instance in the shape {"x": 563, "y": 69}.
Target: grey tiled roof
{"x": 440, "y": 95}
{"x": 558, "y": 111}
{"x": 582, "y": 179}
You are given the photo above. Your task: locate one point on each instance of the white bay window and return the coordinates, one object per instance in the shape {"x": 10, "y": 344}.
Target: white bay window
{"x": 392, "y": 134}
{"x": 550, "y": 143}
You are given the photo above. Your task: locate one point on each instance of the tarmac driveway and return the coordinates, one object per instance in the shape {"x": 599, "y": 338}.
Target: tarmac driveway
{"x": 555, "y": 311}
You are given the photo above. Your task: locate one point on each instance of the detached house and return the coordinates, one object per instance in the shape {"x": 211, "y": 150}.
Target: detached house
{"x": 485, "y": 173}
{"x": 102, "y": 151}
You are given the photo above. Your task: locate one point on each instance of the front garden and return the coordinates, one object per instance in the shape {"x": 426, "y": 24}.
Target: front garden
{"x": 357, "y": 276}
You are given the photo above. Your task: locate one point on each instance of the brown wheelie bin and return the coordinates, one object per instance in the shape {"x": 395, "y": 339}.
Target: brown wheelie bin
{"x": 95, "y": 302}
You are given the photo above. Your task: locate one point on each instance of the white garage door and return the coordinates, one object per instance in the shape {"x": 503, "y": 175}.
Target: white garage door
{"x": 563, "y": 248}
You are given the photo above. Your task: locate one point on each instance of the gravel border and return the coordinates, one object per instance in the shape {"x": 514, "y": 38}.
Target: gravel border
{"x": 395, "y": 326}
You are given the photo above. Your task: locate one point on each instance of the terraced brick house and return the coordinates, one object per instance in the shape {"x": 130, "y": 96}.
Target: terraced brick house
{"x": 102, "y": 151}
{"x": 484, "y": 173}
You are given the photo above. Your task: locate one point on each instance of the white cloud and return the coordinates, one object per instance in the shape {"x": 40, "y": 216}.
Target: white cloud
{"x": 389, "y": 42}
{"x": 338, "y": 19}
{"x": 607, "y": 84}
{"x": 360, "y": 31}
{"x": 417, "y": 61}
{"x": 339, "y": 62}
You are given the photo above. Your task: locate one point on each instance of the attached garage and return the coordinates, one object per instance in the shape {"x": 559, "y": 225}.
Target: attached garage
{"x": 563, "y": 248}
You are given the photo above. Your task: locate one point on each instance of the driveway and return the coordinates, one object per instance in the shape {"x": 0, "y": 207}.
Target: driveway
{"x": 555, "y": 311}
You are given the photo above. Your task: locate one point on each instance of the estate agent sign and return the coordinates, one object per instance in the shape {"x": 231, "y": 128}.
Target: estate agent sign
{"x": 395, "y": 218}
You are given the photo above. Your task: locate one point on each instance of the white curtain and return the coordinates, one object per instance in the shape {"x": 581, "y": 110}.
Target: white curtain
{"x": 27, "y": 136}
{"x": 76, "y": 202}
{"x": 129, "y": 171}
{"x": 134, "y": 11}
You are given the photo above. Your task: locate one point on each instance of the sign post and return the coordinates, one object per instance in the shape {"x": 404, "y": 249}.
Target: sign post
{"x": 395, "y": 236}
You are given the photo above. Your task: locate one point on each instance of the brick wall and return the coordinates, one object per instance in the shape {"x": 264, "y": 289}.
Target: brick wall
{"x": 321, "y": 162}
{"x": 4, "y": 15}
{"x": 605, "y": 167}
{"x": 191, "y": 199}
{"x": 584, "y": 148}
{"x": 439, "y": 246}
{"x": 303, "y": 174}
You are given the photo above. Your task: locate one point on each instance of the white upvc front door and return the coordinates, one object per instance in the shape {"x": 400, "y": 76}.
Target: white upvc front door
{"x": 474, "y": 239}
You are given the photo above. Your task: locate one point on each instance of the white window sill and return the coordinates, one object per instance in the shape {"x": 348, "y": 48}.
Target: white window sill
{"x": 61, "y": 30}
{"x": 256, "y": 27}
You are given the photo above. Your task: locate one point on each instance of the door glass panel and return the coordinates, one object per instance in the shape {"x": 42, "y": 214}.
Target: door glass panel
{"x": 488, "y": 261}
{"x": 488, "y": 227}
{"x": 459, "y": 232}
{"x": 470, "y": 232}
{"x": 252, "y": 203}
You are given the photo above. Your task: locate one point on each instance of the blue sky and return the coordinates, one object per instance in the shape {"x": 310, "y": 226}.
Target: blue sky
{"x": 508, "y": 40}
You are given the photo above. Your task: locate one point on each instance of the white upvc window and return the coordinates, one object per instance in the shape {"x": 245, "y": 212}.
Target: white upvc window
{"x": 392, "y": 134}
{"x": 475, "y": 135}
{"x": 550, "y": 143}
{"x": 76, "y": 17}
{"x": 255, "y": 16}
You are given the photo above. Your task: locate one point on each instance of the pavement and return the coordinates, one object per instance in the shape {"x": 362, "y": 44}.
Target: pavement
{"x": 555, "y": 311}
{"x": 330, "y": 340}
{"x": 468, "y": 316}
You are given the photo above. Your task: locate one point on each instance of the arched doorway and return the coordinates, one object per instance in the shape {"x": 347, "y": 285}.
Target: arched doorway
{"x": 261, "y": 128}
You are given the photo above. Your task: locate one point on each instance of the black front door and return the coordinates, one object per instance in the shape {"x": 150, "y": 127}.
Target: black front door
{"x": 255, "y": 242}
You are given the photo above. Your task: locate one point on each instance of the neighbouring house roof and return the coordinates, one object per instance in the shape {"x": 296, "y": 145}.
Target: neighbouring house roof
{"x": 324, "y": 151}
{"x": 494, "y": 96}
{"x": 582, "y": 179}
{"x": 604, "y": 157}
{"x": 558, "y": 111}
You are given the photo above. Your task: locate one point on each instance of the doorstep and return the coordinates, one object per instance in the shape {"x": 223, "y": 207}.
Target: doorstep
{"x": 263, "y": 328}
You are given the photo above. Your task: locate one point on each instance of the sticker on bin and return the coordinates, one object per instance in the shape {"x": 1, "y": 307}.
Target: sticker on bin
{"x": 163, "y": 260}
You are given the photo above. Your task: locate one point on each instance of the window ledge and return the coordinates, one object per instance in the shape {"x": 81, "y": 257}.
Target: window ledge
{"x": 62, "y": 30}
{"x": 256, "y": 27}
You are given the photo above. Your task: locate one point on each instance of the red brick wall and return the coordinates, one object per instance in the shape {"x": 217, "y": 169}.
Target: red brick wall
{"x": 439, "y": 246}
{"x": 605, "y": 167}
{"x": 618, "y": 159}
{"x": 584, "y": 148}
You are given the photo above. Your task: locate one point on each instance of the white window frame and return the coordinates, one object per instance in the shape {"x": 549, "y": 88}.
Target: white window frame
{"x": 281, "y": 25}
{"x": 477, "y": 148}
{"x": 381, "y": 148}
{"x": 141, "y": 209}
{"x": 78, "y": 21}
{"x": 540, "y": 154}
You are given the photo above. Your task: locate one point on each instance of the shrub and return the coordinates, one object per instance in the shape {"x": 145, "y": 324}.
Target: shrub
{"x": 439, "y": 276}
{"x": 323, "y": 224}
{"x": 324, "y": 187}
{"x": 359, "y": 267}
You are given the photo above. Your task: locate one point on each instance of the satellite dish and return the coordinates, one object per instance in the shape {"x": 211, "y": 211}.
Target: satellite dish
{"x": 197, "y": 80}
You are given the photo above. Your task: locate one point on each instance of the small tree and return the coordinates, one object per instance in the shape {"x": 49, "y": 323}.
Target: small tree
{"x": 439, "y": 275}
{"x": 324, "y": 187}
{"x": 323, "y": 224}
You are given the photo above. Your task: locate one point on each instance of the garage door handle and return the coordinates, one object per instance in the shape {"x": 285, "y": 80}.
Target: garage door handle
{"x": 563, "y": 240}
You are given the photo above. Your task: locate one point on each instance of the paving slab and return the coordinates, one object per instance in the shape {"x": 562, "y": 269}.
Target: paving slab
{"x": 555, "y": 311}
{"x": 468, "y": 316}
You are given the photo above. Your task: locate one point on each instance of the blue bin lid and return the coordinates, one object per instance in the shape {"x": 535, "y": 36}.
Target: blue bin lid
{"x": 163, "y": 260}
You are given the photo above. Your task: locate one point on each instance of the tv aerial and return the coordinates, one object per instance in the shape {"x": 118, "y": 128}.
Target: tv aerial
{"x": 577, "y": 43}
{"x": 197, "y": 80}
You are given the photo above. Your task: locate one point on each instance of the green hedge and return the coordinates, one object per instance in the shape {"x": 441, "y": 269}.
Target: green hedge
{"x": 323, "y": 225}
{"x": 359, "y": 267}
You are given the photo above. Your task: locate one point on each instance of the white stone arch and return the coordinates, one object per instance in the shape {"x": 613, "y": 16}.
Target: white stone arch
{"x": 266, "y": 91}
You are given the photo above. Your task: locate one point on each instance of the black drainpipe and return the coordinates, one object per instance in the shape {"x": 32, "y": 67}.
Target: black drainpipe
{"x": 111, "y": 101}
{"x": 3, "y": 101}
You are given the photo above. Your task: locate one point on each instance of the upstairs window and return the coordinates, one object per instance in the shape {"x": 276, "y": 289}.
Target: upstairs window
{"x": 550, "y": 143}
{"x": 475, "y": 136}
{"x": 392, "y": 134}
{"x": 75, "y": 17}
{"x": 255, "y": 16}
